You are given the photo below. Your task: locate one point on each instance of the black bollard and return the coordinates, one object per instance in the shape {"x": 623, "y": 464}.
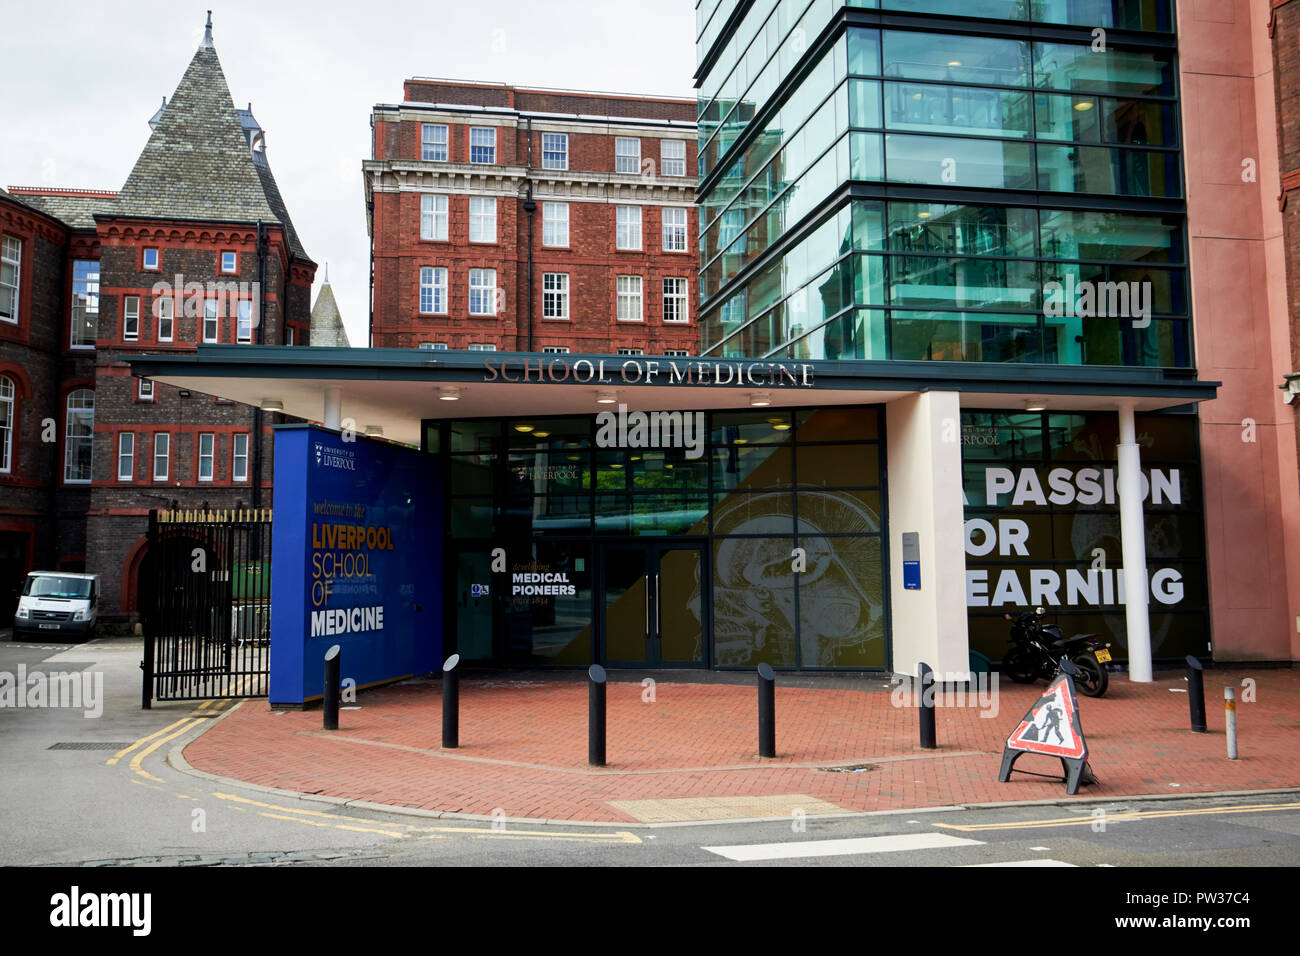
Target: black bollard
{"x": 596, "y": 716}
{"x": 332, "y": 684}
{"x": 1196, "y": 693}
{"x": 766, "y": 711}
{"x": 451, "y": 703}
{"x": 925, "y": 701}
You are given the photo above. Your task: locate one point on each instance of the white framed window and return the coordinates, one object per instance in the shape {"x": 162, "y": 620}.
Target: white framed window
{"x": 433, "y": 290}
{"x": 482, "y": 291}
{"x": 629, "y": 299}
{"x": 555, "y": 151}
{"x": 162, "y": 455}
{"x": 11, "y": 267}
{"x": 628, "y": 230}
{"x": 79, "y": 437}
{"x": 672, "y": 157}
{"x": 555, "y": 295}
{"x": 677, "y": 353}
{"x": 85, "y": 303}
{"x": 229, "y": 262}
{"x": 674, "y": 228}
{"x": 433, "y": 217}
{"x": 289, "y": 333}
{"x": 555, "y": 349}
{"x": 131, "y": 318}
{"x": 150, "y": 259}
{"x": 239, "y": 457}
{"x": 555, "y": 223}
{"x": 482, "y": 347}
{"x": 434, "y": 346}
{"x": 126, "y": 456}
{"x": 207, "y": 448}
{"x": 244, "y": 322}
{"x": 211, "y": 323}
{"x": 163, "y": 306}
{"x": 482, "y": 219}
{"x": 482, "y": 144}
{"x": 433, "y": 142}
{"x": 731, "y": 232}
{"x": 145, "y": 392}
{"x": 675, "y": 300}
{"x": 627, "y": 154}
{"x": 8, "y": 404}
{"x": 631, "y": 352}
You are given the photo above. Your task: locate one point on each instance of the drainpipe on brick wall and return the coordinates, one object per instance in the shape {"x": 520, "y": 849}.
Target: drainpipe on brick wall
{"x": 530, "y": 207}
{"x": 370, "y": 211}
{"x": 261, "y": 339}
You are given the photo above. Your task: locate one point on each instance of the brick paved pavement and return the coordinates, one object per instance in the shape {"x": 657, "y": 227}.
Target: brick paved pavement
{"x": 524, "y": 747}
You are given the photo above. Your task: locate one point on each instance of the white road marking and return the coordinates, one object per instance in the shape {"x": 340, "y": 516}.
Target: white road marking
{"x": 1038, "y": 861}
{"x": 746, "y": 853}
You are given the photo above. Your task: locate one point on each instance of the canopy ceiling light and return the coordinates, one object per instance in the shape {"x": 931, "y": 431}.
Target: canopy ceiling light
{"x": 760, "y": 399}
{"x": 606, "y": 398}
{"x": 374, "y": 429}
{"x": 272, "y": 405}
{"x": 1035, "y": 405}
{"x": 449, "y": 393}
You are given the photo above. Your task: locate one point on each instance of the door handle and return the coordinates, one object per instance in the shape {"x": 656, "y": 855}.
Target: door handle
{"x": 658, "y": 607}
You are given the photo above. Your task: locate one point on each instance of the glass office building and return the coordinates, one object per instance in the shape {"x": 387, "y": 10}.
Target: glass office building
{"x": 971, "y": 181}
{"x": 933, "y": 179}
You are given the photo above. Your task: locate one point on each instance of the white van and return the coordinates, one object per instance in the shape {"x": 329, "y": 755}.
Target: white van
{"x": 57, "y": 604}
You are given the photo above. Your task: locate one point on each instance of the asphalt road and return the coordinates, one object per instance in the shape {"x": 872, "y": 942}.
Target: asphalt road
{"x": 66, "y": 797}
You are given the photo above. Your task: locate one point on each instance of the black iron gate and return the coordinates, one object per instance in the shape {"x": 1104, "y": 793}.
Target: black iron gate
{"x": 205, "y": 601}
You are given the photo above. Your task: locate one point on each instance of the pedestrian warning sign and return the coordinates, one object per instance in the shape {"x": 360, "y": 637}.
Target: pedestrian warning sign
{"x": 1051, "y": 727}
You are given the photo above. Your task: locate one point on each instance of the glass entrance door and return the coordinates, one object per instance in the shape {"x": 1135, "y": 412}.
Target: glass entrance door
{"x": 652, "y": 607}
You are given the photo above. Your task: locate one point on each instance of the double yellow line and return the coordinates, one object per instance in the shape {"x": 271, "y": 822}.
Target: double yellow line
{"x": 324, "y": 818}
{"x": 1089, "y": 820}
{"x": 168, "y": 733}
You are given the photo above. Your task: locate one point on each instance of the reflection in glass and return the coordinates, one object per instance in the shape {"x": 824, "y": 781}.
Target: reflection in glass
{"x": 753, "y": 601}
{"x": 841, "y": 603}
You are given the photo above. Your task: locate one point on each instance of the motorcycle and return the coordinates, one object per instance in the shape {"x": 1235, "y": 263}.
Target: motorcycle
{"x": 1039, "y": 648}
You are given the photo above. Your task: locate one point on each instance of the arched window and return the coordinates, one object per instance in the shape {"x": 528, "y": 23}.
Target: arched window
{"x": 7, "y": 392}
{"x": 79, "y": 436}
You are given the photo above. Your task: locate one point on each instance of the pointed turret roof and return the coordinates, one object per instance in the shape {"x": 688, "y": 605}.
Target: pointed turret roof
{"x": 326, "y": 322}
{"x": 199, "y": 164}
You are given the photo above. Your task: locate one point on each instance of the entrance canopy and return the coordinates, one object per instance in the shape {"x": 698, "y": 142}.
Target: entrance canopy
{"x": 393, "y": 390}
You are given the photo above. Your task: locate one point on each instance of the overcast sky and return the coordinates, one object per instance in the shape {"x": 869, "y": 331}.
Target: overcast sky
{"x": 83, "y": 79}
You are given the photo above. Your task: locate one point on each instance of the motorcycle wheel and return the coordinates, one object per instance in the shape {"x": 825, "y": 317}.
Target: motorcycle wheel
{"x": 1019, "y": 666}
{"x": 1092, "y": 679}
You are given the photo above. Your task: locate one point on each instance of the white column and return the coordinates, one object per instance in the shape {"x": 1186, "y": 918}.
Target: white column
{"x": 333, "y": 407}
{"x": 1132, "y": 526}
{"x": 925, "y": 498}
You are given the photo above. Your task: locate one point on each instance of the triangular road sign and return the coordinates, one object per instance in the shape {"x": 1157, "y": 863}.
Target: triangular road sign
{"x": 1051, "y": 727}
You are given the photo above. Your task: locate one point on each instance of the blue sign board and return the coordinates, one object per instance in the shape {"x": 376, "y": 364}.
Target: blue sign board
{"x": 911, "y": 561}
{"x": 354, "y": 544}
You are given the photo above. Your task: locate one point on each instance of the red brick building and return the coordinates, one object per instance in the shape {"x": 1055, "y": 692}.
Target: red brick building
{"x": 505, "y": 218}
{"x": 1284, "y": 32}
{"x": 197, "y": 246}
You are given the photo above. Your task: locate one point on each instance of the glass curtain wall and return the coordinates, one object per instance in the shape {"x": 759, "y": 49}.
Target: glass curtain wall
{"x": 1042, "y": 527}
{"x": 786, "y": 507}
{"x": 968, "y": 115}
